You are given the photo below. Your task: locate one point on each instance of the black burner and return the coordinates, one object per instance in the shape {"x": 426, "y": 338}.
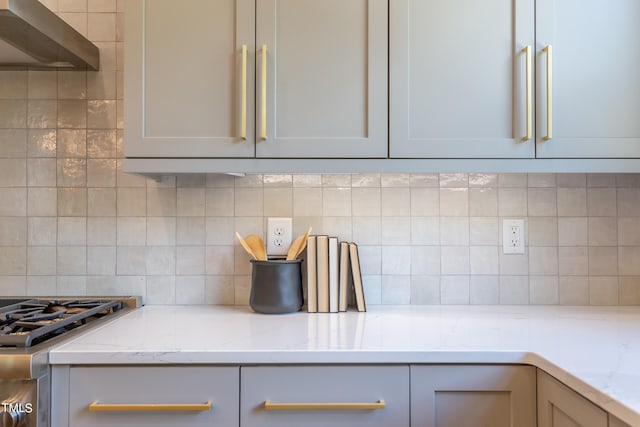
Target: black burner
{"x": 27, "y": 322}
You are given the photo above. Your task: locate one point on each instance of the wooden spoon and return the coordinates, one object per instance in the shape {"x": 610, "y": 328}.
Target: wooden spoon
{"x": 246, "y": 246}
{"x": 298, "y": 246}
{"x": 257, "y": 246}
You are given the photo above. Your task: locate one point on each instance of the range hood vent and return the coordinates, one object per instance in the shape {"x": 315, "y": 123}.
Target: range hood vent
{"x": 33, "y": 37}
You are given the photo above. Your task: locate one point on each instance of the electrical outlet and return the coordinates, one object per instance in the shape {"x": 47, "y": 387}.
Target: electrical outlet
{"x": 279, "y": 236}
{"x": 513, "y": 236}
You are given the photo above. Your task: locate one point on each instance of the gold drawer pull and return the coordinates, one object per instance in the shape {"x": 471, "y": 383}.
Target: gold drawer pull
{"x": 548, "y": 50}
{"x": 346, "y": 406}
{"x": 149, "y": 407}
{"x": 529, "y": 134}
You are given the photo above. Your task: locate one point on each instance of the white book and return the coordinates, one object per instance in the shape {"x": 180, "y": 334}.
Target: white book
{"x": 312, "y": 287}
{"x": 322, "y": 263}
{"x": 334, "y": 274}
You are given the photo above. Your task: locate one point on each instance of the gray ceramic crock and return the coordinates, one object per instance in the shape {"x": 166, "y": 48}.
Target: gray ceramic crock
{"x": 276, "y": 286}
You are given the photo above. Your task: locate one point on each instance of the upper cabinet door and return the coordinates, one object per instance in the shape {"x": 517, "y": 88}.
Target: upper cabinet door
{"x": 458, "y": 78}
{"x": 594, "y": 92}
{"x": 184, "y": 78}
{"x": 322, "y": 90}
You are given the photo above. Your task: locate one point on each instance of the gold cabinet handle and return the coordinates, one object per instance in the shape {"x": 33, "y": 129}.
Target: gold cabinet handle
{"x": 346, "y": 406}
{"x": 150, "y": 407}
{"x": 263, "y": 130}
{"x": 529, "y": 134}
{"x": 549, "y": 52}
{"x": 243, "y": 133}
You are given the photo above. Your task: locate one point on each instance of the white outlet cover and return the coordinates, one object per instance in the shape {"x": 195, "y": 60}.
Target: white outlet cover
{"x": 278, "y": 242}
{"x": 508, "y": 244}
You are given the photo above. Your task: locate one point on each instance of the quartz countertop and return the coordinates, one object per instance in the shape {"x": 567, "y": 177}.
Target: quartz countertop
{"x": 595, "y": 351}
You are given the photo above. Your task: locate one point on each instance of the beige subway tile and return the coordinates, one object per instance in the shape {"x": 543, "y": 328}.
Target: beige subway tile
{"x": 219, "y": 201}
{"x": 572, "y": 202}
{"x": 336, "y": 180}
{"x": 396, "y": 260}
{"x": 365, "y": 202}
{"x": 14, "y": 172}
{"x": 424, "y": 180}
{"x": 42, "y": 231}
{"x": 101, "y": 231}
{"x": 425, "y": 290}
{"x": 71, "y": 143}
{"x": 573, "y": 231}
{"x": 42, "y": 85}
{"x": 278, "y": 202}
{"x": 220, "y": 290}
{"x": 41, "y": 143}
{"x": 220, "y": 231}
{"x": 101, "y": 260}
{"x": 425, "y": 260}
{"x": 573, "y": 261}
{"x": 13, "y": 260}
{"x": 541, "y": 180}
{"x": 395, "y": 201}
{"x": 13, "y": 114}
{"x": 102, "y": 84}
{"x": 629, "y": 290}
{"x": 512, "y": 180}
{"x": 454, "y": 180}
{"x": 628, "y": 201}
{"x": 454, "y": 231}
{"x": 131, "y": 201}
{"x": 543, "y": 231}
{"x": 339, "y": 226}
{"x": 161, "y": 231}
{"x": 454, "y": 290}
{"x": 248, "y": 202}
{"x": 101, "y": 26}
{"x": 601, "y": 180}
{"x": 71, "y": 172}
{"x": 190, "y": 289}
{"x": 484, "y": 259}
{"x": 628, "y": 257}
{"x": 71, "y": 260}
{"x": 425, "y": 201}
{"x": 101, "y": 173}
{"x": 484, "y": 231}
{"x": 191, "y": 231}
{"x": 72, "y": 202}
{"x": 628, "y": 231}
{"x": 191, "y": 202}
{"x": 514, "y": 290}
{"x": 41, "y": 172}
{"x": 130, "y": 260}
{"x": 543, "y": 260}
{"x": 14, "y": 201}
{"x": 454, "y": 202}
{"x": 514, "y": 264}
{"x": 13, "y": 143}
{"x": 309, "y": 180}
{"x": 483, "y": 180}
{"x": 101, "y": 144}
{"x": 277, "y": 180}
{"x": 41, "y": 114}
{"x": 160, "y": 260}
{"x": 483, "y": 201}
{"x": 601, "y": 202}
{"x": 72, "y": 114}
{"x": 603, "y": 231}
{"x": 101, "y": 202}
{"x": 484, "y": 290}
{"x": 571, "y": 180}
{"x": 131, "y": 231}
{"x": 542, "y": 202}
{"x": 603, "y": 290}
{"x": 512, "y": 201}
{"x": 573, "y": 290}
{"x": 454, "y": 260}
{"x": 101, "y": 114}
{"x": 395, "y": 289}
{"x": 124, "y": 179}
{"x": 367, "y": 230}
{"x": 219, "y": 260}
{"x": 42, "y": 202}
{"x": 249, "y": 180}
{"x": 543, "y": 290}
{"x": 603, "y": 261}
{"x": 41, "y": 260}
{"x": 627, "y": 179}
{"x": 395, "y": 180}
{"x": 161, "y": 201}
{"x": 72, "y": 84}
{"x": 72, "y": 231}
{"x": 13, "y": 231}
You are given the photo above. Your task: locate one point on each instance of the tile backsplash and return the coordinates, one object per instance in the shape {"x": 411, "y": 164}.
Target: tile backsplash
{"x": 71, "y": 223}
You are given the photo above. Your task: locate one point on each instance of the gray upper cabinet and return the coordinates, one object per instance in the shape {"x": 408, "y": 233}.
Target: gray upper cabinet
{"x": 322, "y": 91}
{"x": 184, "y": 75}
{"x": 256, "y": 78}
{"x": 458, "y": 79}
{"x": 592, "y": 83}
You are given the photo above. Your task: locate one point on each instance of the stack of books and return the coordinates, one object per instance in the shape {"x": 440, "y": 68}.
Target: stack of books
{"x": 333, "y": 277}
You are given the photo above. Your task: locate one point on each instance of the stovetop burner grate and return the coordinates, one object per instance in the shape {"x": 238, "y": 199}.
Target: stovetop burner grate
{"x": 27, "y": 323}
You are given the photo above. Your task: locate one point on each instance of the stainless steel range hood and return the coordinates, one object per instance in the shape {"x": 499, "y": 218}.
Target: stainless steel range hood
{"x": 33, "y": 37}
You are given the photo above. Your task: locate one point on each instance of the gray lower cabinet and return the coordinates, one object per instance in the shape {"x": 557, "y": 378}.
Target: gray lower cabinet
{"x": 473, "y": 396}
{"x": 560, "y": 406}
{"x": 256, "y": 78}
{"x": 147, "y": 396}
{"x": 587, "y": 83}
{"x": 337, "y": 396}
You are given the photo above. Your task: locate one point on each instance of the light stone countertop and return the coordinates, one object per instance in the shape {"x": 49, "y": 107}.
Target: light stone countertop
{"x": 594, "y": 350}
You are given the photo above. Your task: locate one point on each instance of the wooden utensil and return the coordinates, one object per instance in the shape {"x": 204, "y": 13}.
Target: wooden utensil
{"x": 246, "y": 246}
{"x": 298, "y": 246}
{"x": 257, "y": 246}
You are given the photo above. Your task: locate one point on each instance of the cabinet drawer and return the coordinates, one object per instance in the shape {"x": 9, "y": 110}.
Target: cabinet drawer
{"x": 145, "y": 396}
{"x": 330, "y": 395}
